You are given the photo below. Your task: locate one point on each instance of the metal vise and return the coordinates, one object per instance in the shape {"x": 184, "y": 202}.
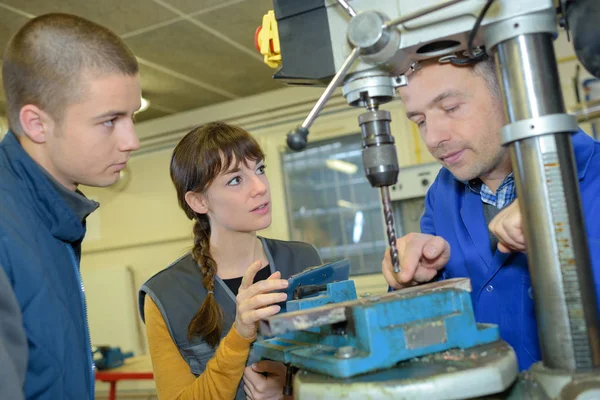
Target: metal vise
{"x": 354, "y": 337}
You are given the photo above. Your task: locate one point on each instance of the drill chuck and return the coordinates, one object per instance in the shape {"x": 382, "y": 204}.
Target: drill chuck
{"x": 380, "y": 160}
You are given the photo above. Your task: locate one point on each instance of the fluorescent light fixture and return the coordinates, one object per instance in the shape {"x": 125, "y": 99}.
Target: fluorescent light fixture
{"x": 359, "y": 223}
{"x": 341, "y": 166}
{"x": 345, "y": 204}
{"x": 145, "y": 105}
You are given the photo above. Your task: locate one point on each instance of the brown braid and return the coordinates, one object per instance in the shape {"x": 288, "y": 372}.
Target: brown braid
{"x": 208, "y": 321}
{"x": 203, "y": 154}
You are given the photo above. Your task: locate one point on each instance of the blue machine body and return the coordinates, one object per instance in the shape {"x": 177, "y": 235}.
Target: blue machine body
{"x": 373, "y": 333}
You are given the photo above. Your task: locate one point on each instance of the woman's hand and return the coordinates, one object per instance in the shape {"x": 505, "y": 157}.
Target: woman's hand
{"x": 256, "y": 301}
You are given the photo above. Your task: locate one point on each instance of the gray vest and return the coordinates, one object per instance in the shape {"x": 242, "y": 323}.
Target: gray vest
{"x": 178, "y": 294}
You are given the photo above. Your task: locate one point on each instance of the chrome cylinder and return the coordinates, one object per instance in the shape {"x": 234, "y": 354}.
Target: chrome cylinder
{"x": 553, "y": 223}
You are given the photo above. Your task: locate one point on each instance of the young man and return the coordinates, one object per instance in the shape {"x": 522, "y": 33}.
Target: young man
{"x": 72, "y": 88}
{"x": 459, "y": 113}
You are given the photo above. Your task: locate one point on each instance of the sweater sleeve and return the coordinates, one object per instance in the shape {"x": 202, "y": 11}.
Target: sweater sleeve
{"x": 172, "y": 375}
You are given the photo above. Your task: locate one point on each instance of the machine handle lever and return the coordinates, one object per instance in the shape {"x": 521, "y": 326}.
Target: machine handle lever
{"x": 347, "y": 7}
{"x": 296, "y": 139}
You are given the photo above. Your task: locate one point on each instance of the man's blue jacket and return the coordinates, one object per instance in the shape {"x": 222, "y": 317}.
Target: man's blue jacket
{"x": 37, "y": 233}
{"x": 501, "y": 283}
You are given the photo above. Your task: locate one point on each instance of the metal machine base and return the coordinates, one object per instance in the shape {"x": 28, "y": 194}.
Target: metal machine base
{"x": 540, "y": 383}
{"x": 454, "y": 374}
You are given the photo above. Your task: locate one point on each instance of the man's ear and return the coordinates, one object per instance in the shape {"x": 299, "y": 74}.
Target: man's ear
{"x": 36, "y": 123}
{"x": 197, "y": 202}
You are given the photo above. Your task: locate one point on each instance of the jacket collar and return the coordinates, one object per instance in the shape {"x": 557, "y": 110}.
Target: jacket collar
{"x": 47, "y": 203}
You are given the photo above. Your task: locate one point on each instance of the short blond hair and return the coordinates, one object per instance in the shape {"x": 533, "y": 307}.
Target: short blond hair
{"x": 45, "y": 61}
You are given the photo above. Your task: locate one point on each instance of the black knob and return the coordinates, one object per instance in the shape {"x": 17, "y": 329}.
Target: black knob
{"x": 425, "y": 182}
{"x": 296, "y": 139}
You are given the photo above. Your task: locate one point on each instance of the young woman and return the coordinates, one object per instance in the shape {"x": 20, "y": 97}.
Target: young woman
{"x": 198, "y": 334}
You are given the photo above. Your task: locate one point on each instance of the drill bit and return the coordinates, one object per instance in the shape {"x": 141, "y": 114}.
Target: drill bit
{"x": 389, "y": 222}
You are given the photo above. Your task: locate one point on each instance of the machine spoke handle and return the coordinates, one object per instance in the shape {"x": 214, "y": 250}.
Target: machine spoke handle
{"x": 297, "y": 138}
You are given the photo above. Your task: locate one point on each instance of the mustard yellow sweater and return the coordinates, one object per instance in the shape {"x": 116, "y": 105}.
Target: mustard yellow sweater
{"x": 172, "y": 375}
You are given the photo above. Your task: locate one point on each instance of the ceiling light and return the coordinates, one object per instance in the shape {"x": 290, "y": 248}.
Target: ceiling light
{"x": 359, "y": 223}
{"x": 341, "y": 166}
{"x": 145, "y": 105}
{"x": 345, "y": 204}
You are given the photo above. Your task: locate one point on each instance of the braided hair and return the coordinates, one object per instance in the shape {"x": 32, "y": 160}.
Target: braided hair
{"x": 197, "y": 160}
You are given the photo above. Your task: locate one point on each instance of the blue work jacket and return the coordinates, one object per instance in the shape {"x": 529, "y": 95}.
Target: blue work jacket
{"x": 502, "y": 292}
{"x": 37, "y": 232}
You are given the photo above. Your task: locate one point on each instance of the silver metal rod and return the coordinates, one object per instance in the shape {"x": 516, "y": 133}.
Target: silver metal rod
{"x": 420, "y": 13}
{"x": 347, "y": 7}
{"x": 339, "y": 76}
{"x": 553, "y": 224}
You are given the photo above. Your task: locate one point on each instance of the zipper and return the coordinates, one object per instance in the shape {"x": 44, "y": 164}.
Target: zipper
{"x": 85, "y": 316}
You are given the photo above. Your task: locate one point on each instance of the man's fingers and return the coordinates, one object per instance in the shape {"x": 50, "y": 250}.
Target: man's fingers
{"x": 502, "y": 248}
{"x": 425, "y": 274}
{"x": 390, "y": 277}
{"x": 510, "y": 235}
{"x": 411, "y": 256}
{"x": 435, "y": 247}
{"x": 248, "y": 278}
{"x": 416, "y": 251}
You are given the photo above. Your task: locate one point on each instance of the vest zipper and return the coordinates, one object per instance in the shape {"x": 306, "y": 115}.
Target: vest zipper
{"x": 85, "y": 316}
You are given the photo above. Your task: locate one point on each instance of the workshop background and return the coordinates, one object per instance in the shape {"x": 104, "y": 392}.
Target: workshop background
{"x": 199, "y": 64}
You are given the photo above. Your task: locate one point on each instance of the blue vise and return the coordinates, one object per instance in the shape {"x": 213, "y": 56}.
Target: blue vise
{"x": 355, "y": 336}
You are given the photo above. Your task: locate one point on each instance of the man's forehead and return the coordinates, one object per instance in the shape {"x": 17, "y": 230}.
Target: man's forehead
{"x": 432, "y": 84}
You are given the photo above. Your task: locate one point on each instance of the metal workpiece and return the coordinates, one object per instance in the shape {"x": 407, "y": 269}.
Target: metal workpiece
{"x": 453, "y": 374}
{"x": 547, "y": 184}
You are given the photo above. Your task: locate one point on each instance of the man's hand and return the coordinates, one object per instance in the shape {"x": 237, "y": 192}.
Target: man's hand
{"x": 507, "y": 226}
{"x": 264, "y": 380}
{"x": 421, "y": 256}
